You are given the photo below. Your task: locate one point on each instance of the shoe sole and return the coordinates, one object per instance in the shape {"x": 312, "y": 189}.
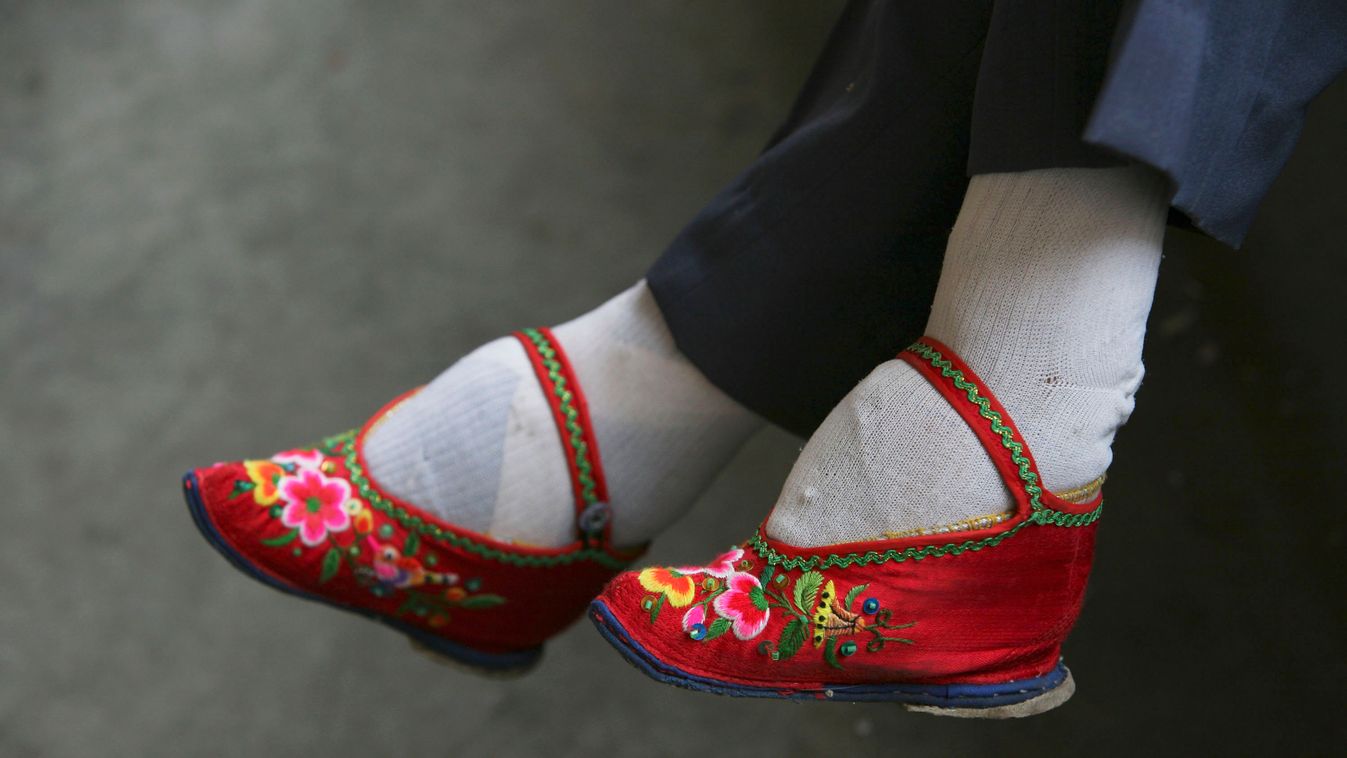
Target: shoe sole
{"x": 499, "y": 665}
{"x": 1002, "y": 700}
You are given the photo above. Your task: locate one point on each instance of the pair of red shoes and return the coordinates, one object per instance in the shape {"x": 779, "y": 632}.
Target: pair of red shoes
{"x": 967, "y": 623}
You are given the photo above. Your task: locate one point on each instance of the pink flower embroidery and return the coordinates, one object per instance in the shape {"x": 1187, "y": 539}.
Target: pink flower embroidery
{"x": 695, "y": 615}
{"x": 721, "y": 567}
{"x": 313, "y": 505}
{"x": 744, "y": 604}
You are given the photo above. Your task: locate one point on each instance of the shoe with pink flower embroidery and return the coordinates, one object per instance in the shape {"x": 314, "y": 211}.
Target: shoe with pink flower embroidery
{"x": 963, "y": 621}
{"x": 315, "y": 524}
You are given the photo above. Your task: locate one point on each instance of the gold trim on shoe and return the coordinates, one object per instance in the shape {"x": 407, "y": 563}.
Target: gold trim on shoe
{"x": 1083, "y": 494}
{"x": 967, "y": 525}
{"x": 1077, "y": 496}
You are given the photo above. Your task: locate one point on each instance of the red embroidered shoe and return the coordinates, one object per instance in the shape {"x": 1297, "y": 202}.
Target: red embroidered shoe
{"x": 963, "y": 620}
{"x": 315, "y": 524}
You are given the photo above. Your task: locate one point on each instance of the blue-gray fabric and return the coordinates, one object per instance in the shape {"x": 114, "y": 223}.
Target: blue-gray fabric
{"x": 1213, "y": 94}
{"x": 820, "y": 259}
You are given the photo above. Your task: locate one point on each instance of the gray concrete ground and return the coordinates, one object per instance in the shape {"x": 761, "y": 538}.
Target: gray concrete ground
{"x": 227, "y": 226}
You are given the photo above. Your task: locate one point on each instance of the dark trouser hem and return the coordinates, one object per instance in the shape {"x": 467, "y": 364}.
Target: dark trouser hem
{"x": 1214, "y": 96}
{"x": 820, "y": 260}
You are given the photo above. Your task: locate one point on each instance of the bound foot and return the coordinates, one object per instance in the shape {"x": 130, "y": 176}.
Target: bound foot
{"x": 915, "y": 553}
{"x": 480, "y": 514}
{"x": 964, "y": 625}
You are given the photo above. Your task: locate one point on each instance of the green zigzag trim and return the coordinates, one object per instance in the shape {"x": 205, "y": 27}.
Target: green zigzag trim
{"x": 819, "y": 562}
{"x": 1042, "y": 515}
{"x": 1029, "y": 480}
{"x": 572, "y": 414}
{"x": 344, "y": 444}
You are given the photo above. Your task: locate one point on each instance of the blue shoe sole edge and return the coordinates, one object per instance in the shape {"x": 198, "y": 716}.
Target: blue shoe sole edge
{"x": 999, "y": 700}
{"x": 476, "y": 661}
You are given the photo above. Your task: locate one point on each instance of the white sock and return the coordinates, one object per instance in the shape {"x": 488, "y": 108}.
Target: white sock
{"x": 1046, "y": 285}
{"x": 479, "y": 448}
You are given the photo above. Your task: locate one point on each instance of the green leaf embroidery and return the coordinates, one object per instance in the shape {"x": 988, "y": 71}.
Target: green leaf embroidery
{"x": 481, "y": 601}
{"x": 284, "y": 539}
{"x": 241, "y": 486}
{"x": 331, "y": 564}
{"x": 830, "y": 655}
{"x": 654, "y": 612}
{"x": 792, "y": 637}
{"x": 412, "y": 545}
{"x": 853, "y": 594}
{"x": 718, "y": 627}
{"x": 806, "y": 590}
{"x": 758, "y": 598}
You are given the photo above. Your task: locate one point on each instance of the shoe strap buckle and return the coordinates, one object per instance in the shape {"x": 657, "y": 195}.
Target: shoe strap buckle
{"x": 593, "y": 519}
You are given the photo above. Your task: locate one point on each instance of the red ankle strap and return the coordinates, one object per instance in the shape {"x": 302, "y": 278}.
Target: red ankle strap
{"x": 593, "y": 516}
{"x": 988, "y": 419}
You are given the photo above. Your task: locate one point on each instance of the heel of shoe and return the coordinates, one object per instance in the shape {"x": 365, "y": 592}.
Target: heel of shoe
{"x": 1037, "y": 702}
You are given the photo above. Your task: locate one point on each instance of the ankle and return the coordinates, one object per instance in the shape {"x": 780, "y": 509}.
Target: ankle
{"x": 651, "y": 407}
{"x": 479, "y": 448}
{"x": 1046, "y": 286}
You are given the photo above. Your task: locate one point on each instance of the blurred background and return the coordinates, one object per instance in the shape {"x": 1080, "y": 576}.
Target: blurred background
{"x": 231, "y": 226}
